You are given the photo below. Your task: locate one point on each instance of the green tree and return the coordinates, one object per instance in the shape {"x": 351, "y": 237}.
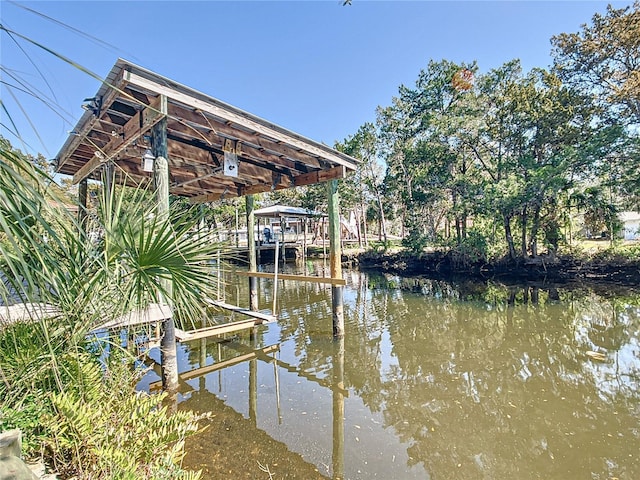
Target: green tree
{"x": 603, "y": 59}
{"x": 368, "y": 178}
{"x": 425, "y": 162}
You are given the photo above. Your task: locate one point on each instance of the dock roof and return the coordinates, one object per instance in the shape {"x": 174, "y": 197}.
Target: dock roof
{"x": 201, "y": 132}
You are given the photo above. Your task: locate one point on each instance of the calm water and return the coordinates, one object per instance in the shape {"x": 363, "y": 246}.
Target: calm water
{"x": 433, "y": 380}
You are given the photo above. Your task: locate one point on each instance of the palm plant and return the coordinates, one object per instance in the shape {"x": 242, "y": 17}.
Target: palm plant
{"x": 48, "y": 259}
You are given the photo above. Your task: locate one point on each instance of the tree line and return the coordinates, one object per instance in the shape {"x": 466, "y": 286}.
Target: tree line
{"x": 500, "y": 163}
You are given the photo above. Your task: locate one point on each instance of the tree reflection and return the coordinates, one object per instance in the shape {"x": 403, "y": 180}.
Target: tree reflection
{"x": 497, "y": 384}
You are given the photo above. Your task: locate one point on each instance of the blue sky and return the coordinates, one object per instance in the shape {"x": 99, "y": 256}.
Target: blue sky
{"x": 317, "y": 68}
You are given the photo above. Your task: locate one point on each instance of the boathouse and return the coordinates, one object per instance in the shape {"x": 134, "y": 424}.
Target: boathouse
{"x": 141, "y": 128}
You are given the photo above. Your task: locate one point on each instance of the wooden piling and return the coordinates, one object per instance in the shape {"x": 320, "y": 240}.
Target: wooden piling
{"x": 251, "y": 241}
{"x": 335, "y": 252}
{"x": 168, "y": 353}
{"x": 304, "y": 244}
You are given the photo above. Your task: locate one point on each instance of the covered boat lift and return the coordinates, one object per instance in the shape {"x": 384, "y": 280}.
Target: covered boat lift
{"x": 283, "y": 212}
{"x": 141, "y": 128}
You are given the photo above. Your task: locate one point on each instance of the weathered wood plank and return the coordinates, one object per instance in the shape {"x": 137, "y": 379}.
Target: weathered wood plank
{"x": 244, "y": 311}
{"x": 284, "y": 182}
{"x": 89, "y": 167}
{"x": 320, "y": 176}
{"x": 22, "y": 312}
{"x": 131, "y": 131}
{"x": 186, "y": 115}
{"x": 114, "y": 91}
{"x": 153, "y": 313}
{"x": 249, "y": 155}
{"x": 299, "y": 278}
{"x": 231, "y": 327}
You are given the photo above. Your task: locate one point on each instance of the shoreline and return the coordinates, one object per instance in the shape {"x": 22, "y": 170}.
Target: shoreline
{"x": 440, "y": 265}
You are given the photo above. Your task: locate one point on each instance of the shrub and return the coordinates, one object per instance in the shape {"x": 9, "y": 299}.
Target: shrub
{"x": 102, "y": 428}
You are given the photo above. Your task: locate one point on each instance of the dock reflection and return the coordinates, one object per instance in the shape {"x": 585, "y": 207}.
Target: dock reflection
{"x": 235, "y": 352}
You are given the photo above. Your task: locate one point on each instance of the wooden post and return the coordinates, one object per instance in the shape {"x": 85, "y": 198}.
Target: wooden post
{"x": 107, "y": 185}
{"x": 275, "y": 279}
{"x": 237, "y": 226}
{"x": 335, "y": 263}
{"x": 251, "y": 241}
{"x": 304, "y": 244}
{"x": 284, "y": 251}
{"x": 168, "y": 354}
{"x": 82, "y": 206}
{"x": 260, "y": 244}
{"x": 324, "y": 234}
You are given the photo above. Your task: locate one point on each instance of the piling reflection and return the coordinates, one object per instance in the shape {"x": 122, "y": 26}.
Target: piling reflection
{"x": 338, "y": 409}
{"x": 432, "y": 379}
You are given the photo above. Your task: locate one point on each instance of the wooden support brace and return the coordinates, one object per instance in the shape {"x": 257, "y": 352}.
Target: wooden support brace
{"x": 211, "y": 197}
{"x": 118, "y": 85}
{"x": 244, "y": 311}
{"x": 320, "y": 176}
{"x": 182, "y": 336}
{"x": 299, "y": 278}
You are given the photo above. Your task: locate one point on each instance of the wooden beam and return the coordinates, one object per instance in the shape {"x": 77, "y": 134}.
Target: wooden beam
{"x": 320, "y": 176}
{"x": 231, "y": 327}
{"x": 243, "y": 119}
{"x": 137, "y": 125}
{"x": 213, "y": 144}
{"x": 299, "y": 278}
{"x": 198, "y": 178}
{"x": 244, "y": 311}
{"x": 152, "y": 314}
{"x": 310, "y": 178}
{"x": 89, "y": 167}
{"x": 213, "y": 197}
{"x": 284, "y": 182}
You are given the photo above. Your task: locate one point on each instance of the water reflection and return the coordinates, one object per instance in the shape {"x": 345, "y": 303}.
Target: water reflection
{"x": 432, "y": 380}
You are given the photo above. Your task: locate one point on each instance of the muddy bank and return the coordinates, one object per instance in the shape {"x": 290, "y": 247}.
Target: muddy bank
{"x": 232, "y": 447}
{"x": 446, "y": 265}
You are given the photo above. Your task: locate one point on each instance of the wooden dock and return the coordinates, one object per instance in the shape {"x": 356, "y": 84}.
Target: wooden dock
{"x": 26, "y": 312}
{"x": 152, "y": 314}
{"x": 158, "y": 313}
